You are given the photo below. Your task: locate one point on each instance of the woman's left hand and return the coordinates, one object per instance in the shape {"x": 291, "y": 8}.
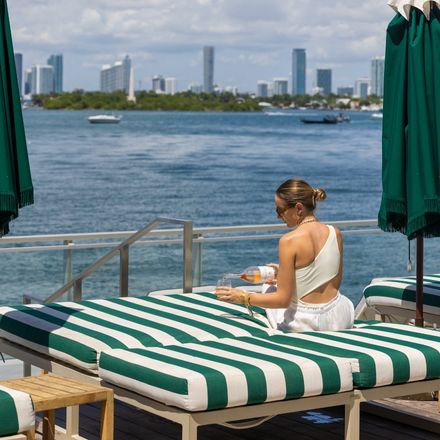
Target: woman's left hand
{"x": 229, "y": 294}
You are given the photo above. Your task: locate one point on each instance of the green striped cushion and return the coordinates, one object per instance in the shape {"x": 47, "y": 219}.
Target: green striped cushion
{"x": 78, "y": 332}
{"x": 16, "y": 412}
{"x": 386, "y": 353}
{"x": 401, "y": 292}
{"x": 224, "y": 373}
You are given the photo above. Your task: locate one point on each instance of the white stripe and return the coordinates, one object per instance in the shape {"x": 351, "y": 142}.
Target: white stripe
{"x": 230, "y": 328}
{"x": 236, "y": 383}
{"x": 212, "y": 310}
{"x": 66, "y": 333}
{"x": 403, "y": 286}
{"x": 121, "y": 336}
{"x": 132, "y": 342}
{"x": 416, "y": 359}
{"x": 383, "y": 362}
{"x": 24, "y": 408}
{"x": 312, "y": 376}
{"x": 197, "y": 387}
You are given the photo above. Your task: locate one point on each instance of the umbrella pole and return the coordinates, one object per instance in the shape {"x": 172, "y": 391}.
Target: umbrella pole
{"x": 419, "y": 281}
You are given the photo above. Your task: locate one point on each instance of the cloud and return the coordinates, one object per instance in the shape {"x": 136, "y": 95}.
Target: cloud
{"x": 168, "y": 35}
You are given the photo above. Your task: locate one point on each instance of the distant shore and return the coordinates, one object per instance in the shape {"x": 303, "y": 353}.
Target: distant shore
{"x": 188, "y": 101}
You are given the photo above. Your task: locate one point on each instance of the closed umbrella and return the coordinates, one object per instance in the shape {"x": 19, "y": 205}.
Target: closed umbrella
{"x": 16, "y": 188}
{"x": 411, "y": 128}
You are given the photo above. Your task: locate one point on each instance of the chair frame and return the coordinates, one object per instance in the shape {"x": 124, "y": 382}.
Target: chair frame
{"x": 190, "y": 421}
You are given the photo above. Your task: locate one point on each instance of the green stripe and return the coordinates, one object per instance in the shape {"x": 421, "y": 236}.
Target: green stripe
{"x": 404, "y": 294}
{"x": 255, "y": 379}
{"x": 8, "y": 415}
{"x": 46, "y": 339}
{"x": 218, "y": 305}
{"x": 217, "y": 393}
{"x": 62, "y": 323}
{"x": 401, "y": 365}
{"x": 366, "y": 377}
{"x": 142, "y": 373}
{"x": 174, "y": 317}
{"x": 242, "y": 313}
{"x": 432, "y": 356}
{"x": 142, "y": 336}
{"x": 331, "y": 379}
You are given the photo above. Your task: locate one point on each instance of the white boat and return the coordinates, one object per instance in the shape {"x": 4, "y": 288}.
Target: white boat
{"x": 104, "y": 119}
{"x": 377, "y": 116}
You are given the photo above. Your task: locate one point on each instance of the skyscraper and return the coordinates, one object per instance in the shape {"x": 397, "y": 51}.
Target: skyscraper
{"x": 170, "y": 86}
{"x": 298, "y": 72}
{"x": 19, "y": 69}
{"x": 377, "y": 75}
{"x": 208, "y": 69}
{"x": 27, "y": 81}
{"x": 324, "y": 80}
{"x": 116, "y": 77}
{"x": 42, "y": 79}
{"x": 361, "y": 88}
{"x": 262, "y": 89}
{"x": 280, "y": 86}
{"x": 158, "y": 84}
{"x": 56, "y": 61}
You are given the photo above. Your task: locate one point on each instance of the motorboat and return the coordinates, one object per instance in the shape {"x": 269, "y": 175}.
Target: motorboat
{"x": 105, "y": 119}
{"x": 377, "y": 116}
{"x": 328, "y": 119}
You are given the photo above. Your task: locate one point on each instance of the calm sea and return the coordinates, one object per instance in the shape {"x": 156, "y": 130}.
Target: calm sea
{"x": 218, "y": 169}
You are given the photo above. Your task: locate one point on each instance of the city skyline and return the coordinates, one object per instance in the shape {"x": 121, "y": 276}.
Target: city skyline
{"x": 251, "y": 41}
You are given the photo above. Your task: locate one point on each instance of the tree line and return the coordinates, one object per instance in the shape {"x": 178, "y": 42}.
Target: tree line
{"x": 184, "y": 101}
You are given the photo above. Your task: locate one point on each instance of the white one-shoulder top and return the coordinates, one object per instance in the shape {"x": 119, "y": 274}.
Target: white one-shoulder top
{"x": 324, "y": 268}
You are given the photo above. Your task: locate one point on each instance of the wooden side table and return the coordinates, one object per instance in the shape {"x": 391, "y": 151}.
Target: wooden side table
{"x": 50, "y": 392}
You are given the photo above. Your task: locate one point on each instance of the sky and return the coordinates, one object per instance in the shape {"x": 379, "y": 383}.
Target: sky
{"x": 253, "y": 39}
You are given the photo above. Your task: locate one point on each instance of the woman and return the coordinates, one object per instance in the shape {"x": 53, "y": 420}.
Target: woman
{"x": 309, "y": 272}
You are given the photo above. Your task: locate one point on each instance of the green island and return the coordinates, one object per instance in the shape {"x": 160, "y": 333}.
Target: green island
{"x": 189, "y": 101}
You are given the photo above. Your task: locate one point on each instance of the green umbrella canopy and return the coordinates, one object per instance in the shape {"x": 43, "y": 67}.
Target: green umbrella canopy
{"x": 16, "y": 188}
{"x": 411, "y": 121}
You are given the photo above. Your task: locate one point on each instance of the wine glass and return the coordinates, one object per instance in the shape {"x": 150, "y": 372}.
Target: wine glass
{"x": 224, "y": 282}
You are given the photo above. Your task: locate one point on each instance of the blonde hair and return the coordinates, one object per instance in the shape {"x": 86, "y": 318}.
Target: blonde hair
{"x": 294, "y": 190}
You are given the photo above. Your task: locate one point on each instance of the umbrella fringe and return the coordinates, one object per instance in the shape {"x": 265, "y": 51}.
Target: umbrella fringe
{"x": 26, "y": 197}
{"x": 8, "y": 203}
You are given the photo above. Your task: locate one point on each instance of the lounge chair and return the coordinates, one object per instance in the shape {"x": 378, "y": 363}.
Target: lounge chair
{"x": 17, "y": 416}
{"x": 393, "y": 299}
{"x": 197, "y": 361}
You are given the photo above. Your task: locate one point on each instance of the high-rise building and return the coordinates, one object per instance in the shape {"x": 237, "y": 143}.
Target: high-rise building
{"x": 170, "y": 86}
{"x": 345, "y": 91}
{"x": 208, "y": 69}
{"x": 362, "y": 88}
{"x": 116, "y": 77}
{"x": 324, "y": 80}
{"x": 19, "y": 69}
{"x": 195, "y": 87}
{"x": 280, "y": 86}
{"x": 298, "y": 72}
{"x": 158, "y": 84}
{"x": 27, "y": 81}
{"x": 42, "y": 79}
{"x": 377, "y": 75}
{"x": 56, "y": 61}
{"x": 262, "y": 89}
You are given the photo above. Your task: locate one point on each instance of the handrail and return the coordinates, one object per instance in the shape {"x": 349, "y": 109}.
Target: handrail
{"x": 123, "y": 250}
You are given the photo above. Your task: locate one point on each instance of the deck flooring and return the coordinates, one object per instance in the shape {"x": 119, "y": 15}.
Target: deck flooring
{"x": 328, "y": 424}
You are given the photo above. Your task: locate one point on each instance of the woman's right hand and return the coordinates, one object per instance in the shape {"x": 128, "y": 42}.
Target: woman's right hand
{"x": 275, "y": 267}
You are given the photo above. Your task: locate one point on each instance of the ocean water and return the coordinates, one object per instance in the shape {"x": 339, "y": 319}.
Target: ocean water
{"x": 217, "y": 169}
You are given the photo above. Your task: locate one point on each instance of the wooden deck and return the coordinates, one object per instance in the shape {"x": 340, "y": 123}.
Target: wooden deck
{"x": 133, "y": 424}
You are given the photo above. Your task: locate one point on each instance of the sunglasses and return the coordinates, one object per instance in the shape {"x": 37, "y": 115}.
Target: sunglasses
{"x": 281, "y": 211}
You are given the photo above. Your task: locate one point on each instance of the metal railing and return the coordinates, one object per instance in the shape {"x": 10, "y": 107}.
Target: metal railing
{"x": 123, "y": 250}
{"x": 193, "y": 240}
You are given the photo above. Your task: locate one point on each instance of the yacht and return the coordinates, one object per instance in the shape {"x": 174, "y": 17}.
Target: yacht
{"x": 105, "y": 119}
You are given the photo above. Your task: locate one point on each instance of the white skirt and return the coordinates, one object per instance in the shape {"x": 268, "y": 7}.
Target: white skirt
{"x": 337, "y": 314}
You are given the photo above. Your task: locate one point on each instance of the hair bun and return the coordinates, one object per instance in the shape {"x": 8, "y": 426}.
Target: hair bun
{"x": 319, "y": 194}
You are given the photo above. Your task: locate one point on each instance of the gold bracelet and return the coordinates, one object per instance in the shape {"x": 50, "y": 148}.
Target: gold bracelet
{"x": 243, "y": 297}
